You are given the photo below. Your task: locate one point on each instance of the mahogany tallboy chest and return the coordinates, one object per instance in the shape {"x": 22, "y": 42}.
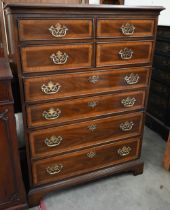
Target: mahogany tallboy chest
{"x": 84, "y": 75}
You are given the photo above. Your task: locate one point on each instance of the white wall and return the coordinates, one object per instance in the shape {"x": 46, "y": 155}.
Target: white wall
{"x": 164, "y": 18}
{"x": 94, "y": 1}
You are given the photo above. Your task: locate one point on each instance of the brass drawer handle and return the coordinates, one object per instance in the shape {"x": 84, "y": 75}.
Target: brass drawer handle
{"x": 128, "y": 29}
{"x": 128, "y": 102}
{"x": 91, "y": 154}
{"x": 132, "y": 79}
{"x": 58, "y": 30}
{"x": 59, "y": 58}
{"x": 126, "y": 126}
{"x": 92, "y": 104}
{"x": 124, "y": 151}
{"x": 126, "y": 54}
{"x": 50, "y": 88}
{"x": 55, "y": 169}
{"x": 51, "y": 114}
{"x": 93, "y": 79}
{"x": 92, "y": 127}
{"x": 53, "y": 141}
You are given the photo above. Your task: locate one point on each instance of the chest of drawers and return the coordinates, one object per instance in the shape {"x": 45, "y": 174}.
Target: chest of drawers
{"x": 84, "y": 75}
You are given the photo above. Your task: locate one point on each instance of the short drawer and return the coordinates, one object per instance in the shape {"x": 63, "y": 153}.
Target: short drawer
{"x": 56, "y": 57}
{"x": 70, "y": 110}
{"x": 55, "y": 29}
{"x": 73, "y": 164}
{"x": 57, "y": 140}
{"x": 76, "y": 84}
{"x": 122, "y": 53}
{"x": 112, "y": 28}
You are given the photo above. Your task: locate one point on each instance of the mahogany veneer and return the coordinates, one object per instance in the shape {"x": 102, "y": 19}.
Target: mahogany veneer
{"x": 38, "y": 59}
{"x": 76, "y": 109}
{"x": 92, "y": 132}
{"x": 83, "y": 161}
{"x": 108, "y": 28}
{"x": 84, "y": 74}
{"x": 85, "y": 83}
{"x": 77, "y": 29}
{"x": 107, "y": 53}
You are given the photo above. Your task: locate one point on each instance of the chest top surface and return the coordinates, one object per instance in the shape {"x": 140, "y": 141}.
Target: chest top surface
{"x": 38, "y": 8}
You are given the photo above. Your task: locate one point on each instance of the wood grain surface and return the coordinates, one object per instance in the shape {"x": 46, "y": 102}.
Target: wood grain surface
{"x": 85, "y": 83}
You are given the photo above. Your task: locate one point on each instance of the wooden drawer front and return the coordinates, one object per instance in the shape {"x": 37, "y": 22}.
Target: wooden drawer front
{"x": 56, "y": 57}
{"x": 65, "y": 111}
{"x": 73, "y": 84}
{"x": 60, "y": 167}
{"x": 110, "y": 54}
{"x": 110, "y": 28}
{"x": 76, "y": 136}
{"x": 55, "y": 29}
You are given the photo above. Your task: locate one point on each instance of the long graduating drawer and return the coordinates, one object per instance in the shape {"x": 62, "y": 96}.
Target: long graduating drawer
{"x": 55, "y": 29}
{"x": 66, "y": 138}
{"x": 73, "y": 164}
{"x": 76, "y": 84}
{"x": 69, "y": 110}
{"x": 56, "y": 57}
{"x": 122, "y": 53}
{"x": 112, "y": 28}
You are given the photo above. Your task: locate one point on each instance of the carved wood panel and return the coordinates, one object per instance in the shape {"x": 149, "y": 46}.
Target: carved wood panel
{"x": 8, "y": 190}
